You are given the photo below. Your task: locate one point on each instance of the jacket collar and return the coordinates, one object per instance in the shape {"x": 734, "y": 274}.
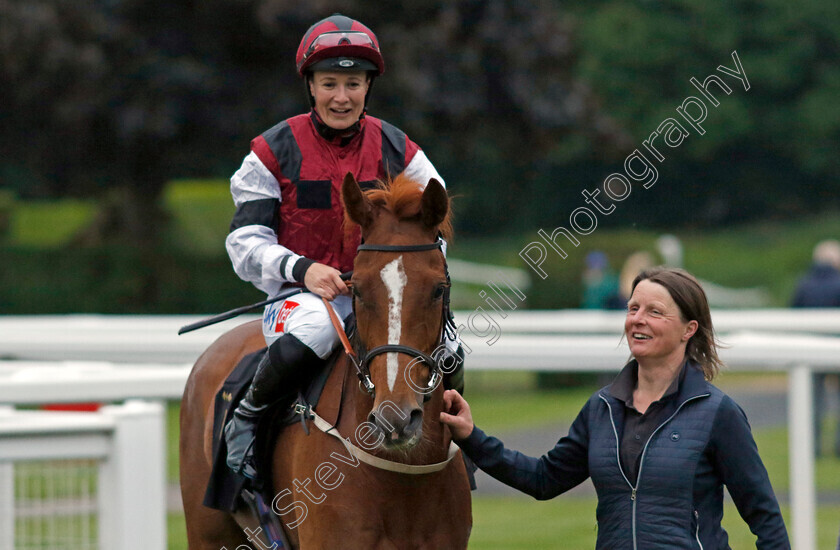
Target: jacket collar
{"x": 690, "y": 382}
{"x": 694, "y": 384}
{"x": 336, "y": 137}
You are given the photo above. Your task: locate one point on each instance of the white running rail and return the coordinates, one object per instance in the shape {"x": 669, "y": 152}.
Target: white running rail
{"x": 127, "y": 445}
{"x": 793, "y": 341}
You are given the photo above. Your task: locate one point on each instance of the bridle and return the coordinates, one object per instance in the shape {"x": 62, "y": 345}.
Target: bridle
{"x": 362, "y": 359}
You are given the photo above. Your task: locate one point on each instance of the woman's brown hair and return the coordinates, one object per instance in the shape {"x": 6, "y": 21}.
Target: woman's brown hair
{"x": 690, "y": 297}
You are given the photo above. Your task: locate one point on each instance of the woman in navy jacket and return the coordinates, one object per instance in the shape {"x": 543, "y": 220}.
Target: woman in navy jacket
{"x": 659, "y": 443}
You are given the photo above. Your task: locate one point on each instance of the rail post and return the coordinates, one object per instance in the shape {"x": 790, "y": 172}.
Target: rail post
{"x": 801, "y": 446}
{"x": 135, "y": 467}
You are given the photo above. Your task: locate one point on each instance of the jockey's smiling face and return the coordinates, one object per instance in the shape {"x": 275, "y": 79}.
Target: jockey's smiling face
{"x": 339, "y": 96}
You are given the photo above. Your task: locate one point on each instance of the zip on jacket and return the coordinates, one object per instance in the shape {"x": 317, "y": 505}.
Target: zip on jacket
{"x": 633, "y": 489}
{"x": 697, "y": 529}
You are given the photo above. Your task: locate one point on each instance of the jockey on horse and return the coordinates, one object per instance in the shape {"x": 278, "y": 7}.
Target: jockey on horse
{"x": 288, "y": 226}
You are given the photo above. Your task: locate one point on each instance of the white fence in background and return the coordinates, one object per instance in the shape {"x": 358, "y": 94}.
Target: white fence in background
{"x": 153, "y": 339}
{"x": 59, "y": 356}
{"x": 127, "y": 445}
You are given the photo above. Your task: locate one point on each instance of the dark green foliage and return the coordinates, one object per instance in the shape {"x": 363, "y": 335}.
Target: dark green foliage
{"x": 521, "y": 105}
{"x": 767, "y": 151}
{"x": 137, "y": 92}
{"x": 118, "y": 280}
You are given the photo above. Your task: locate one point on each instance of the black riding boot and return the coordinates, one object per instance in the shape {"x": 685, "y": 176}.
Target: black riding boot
{"x": 286, "y": 365}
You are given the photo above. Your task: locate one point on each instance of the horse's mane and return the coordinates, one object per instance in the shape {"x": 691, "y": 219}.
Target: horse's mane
{"x": 402, "y": 197}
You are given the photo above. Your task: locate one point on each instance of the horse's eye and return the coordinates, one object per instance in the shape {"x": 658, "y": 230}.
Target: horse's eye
{"x": 439, "y": 292}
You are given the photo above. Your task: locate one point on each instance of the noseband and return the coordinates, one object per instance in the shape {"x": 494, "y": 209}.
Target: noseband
{"x": 362, "y": 363}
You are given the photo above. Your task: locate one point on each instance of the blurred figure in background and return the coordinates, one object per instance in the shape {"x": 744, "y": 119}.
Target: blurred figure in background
{"x": 819, "y": 288}
{"x": 600, "y": 283}
{"x": 671, "y": 249}
{"x": 633, "y": 265}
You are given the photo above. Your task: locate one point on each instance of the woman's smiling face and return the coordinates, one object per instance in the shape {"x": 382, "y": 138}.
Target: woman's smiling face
{"x": 339, "y": 96}
{"x": 654, "y": 327}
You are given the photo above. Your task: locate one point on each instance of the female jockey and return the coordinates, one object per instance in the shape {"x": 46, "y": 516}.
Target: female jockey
{"x": 287, "y": 228}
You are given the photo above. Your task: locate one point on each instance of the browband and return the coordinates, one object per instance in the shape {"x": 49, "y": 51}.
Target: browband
{"x": 400, "y": 247}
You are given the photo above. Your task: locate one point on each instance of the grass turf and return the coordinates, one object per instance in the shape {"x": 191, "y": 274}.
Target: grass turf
{"x": 507, "y": 401}
{"x": 568, "y": 523}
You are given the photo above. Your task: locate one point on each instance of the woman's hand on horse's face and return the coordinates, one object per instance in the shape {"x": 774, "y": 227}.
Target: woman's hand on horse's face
{"x": 457, "y": 415}
{"x": 325, "y": 281}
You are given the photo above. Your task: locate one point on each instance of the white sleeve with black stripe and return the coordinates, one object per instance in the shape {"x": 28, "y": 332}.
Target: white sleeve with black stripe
{"x": 252, "y": 241}
{"x": 421, "y": 169}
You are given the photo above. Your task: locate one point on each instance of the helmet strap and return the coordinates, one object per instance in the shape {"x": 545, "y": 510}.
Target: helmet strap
{"x": 306, "y": 82}
{"x": 372, "y": 77}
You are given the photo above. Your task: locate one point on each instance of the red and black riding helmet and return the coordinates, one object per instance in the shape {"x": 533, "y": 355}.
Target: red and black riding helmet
{"x": 339, "y": 43}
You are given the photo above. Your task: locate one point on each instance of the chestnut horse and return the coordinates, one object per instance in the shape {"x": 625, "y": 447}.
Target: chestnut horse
{"x": 325, "y": 496}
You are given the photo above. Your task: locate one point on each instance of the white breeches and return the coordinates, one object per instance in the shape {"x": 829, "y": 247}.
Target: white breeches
{"x": 305, "y": 317}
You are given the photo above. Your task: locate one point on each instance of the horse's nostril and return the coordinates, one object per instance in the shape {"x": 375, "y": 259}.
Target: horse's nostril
{"x": 414, "y": 424}
{"x": 400, "y": 426}
{"x": 415, "y": 421}
{"x": 383, "y": 425}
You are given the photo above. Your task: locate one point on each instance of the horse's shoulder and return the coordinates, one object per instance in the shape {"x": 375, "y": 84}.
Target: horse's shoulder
{"x": 335, "y": 389}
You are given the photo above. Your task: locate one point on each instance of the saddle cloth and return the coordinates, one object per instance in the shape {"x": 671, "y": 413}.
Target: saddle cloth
{"x": 224, "y": 485}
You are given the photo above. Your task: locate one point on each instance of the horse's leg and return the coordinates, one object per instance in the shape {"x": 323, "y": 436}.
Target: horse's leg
{"x": 289, "y": 463}
{"x": 322, "y": 498}
{"x": 325, "y": 493}
{"x": 209, "y": 529}
{"x": 442, "y": 511}
{"x": 377, "y": 510}
{"x": 454, "y": 502}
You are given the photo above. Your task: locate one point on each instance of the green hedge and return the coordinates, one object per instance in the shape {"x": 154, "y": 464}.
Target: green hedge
{"x": 118, "y": 280}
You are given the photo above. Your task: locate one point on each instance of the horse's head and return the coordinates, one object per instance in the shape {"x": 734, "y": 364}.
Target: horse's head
{"x": 399, "y": 289}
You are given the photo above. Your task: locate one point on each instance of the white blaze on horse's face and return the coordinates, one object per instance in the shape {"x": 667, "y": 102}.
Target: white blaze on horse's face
{"x": 393, "y": 275}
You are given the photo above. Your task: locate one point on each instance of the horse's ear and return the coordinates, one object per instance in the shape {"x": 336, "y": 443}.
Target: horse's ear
{"x": 435, "y": 204}
{"x": 356, "y": 204}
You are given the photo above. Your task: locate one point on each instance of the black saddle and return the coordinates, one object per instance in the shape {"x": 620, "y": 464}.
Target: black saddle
{"x": 225, "y": 486}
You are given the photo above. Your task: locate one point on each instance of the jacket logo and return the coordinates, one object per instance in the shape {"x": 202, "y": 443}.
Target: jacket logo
{"x": 675, "y": 436}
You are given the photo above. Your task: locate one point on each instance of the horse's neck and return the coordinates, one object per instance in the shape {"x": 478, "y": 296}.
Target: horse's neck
{"x": 356, "y": 405}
